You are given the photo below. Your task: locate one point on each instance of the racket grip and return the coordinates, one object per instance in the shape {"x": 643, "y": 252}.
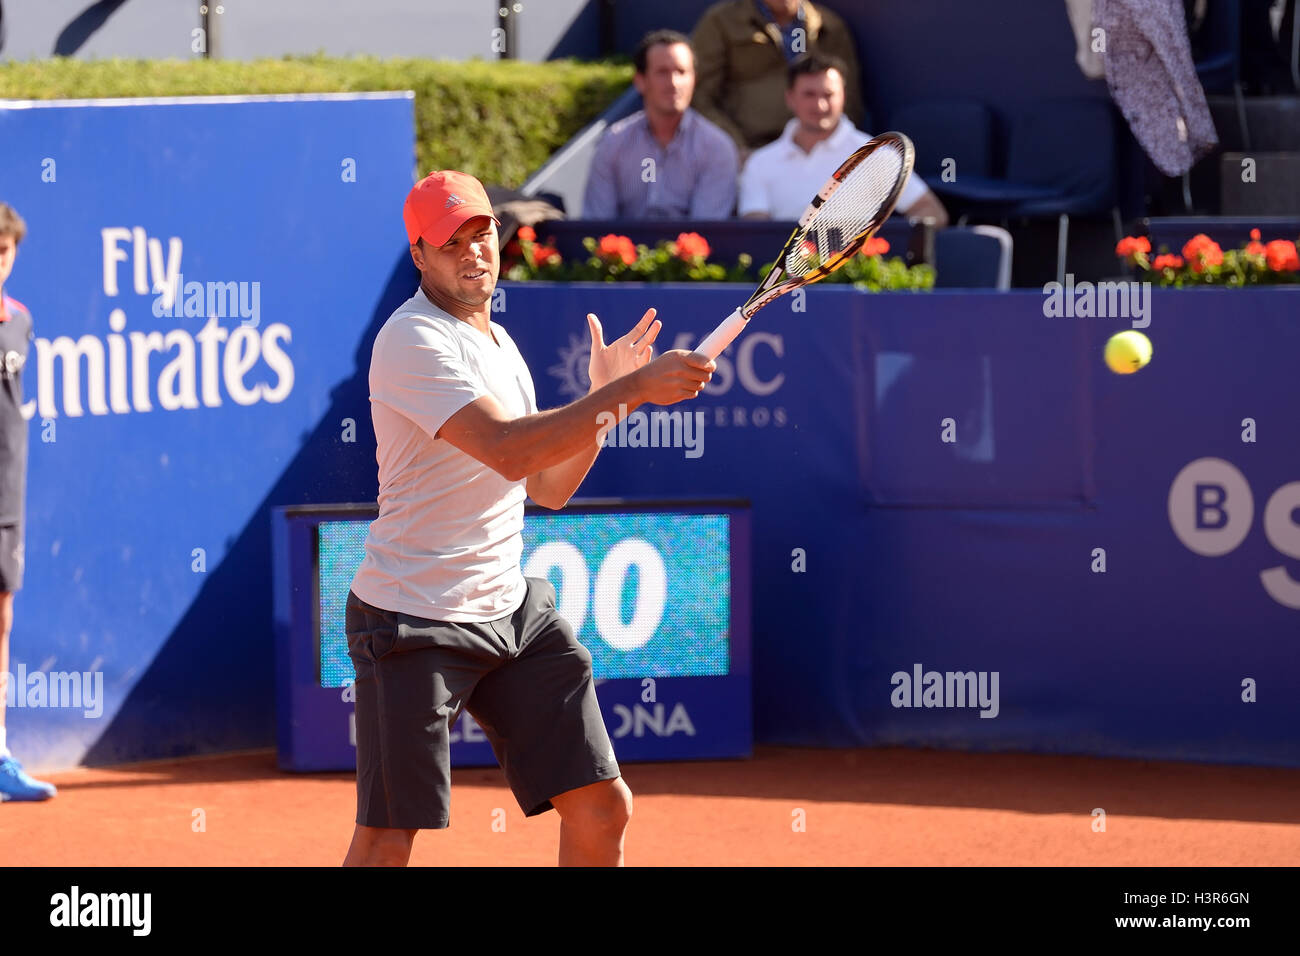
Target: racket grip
{"x": 723, "y": 335}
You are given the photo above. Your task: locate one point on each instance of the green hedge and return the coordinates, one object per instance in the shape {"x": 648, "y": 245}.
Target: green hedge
{"x": 496, "y": 120}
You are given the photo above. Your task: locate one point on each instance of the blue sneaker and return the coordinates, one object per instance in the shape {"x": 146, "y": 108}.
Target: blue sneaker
{"x": 15, "y": 784}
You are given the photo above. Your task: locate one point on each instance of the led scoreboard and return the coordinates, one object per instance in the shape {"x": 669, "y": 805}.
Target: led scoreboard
{"x": 658, "y": 592}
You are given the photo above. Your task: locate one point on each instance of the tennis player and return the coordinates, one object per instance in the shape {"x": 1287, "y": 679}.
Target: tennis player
{"x": 15, "y": 336}
{"x": 440, "y": 617}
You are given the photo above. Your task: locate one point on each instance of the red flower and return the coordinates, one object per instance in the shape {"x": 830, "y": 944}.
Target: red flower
{"x": 690, "y": 245}
{"x": 1254, "y": 247}
{"x": 544, "y": 255}
{"x": 527, "y": 234}
{"x": 1168, "y": 262}
{"x": 1254, "y": 234}
{"x": 1130, "y": 246}
{"x": 617, "y": 247}
{"x": 1281, "y": 255}
{"x": 1201, "y": 252}
{"x": 875, "y": 246}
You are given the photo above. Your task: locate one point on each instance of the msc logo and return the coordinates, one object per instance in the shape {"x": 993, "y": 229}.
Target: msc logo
{"x": 636, "y": 720}
{"x": 753, "y": 366}
{"x": 1211, "y": 509}
{"x": 745, "y": 367}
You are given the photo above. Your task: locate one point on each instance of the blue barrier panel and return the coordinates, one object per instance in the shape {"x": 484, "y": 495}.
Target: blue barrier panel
{"x": 977, "y": 556}
{"x": 658, "y": 592}
{"x": 164, "y": 425}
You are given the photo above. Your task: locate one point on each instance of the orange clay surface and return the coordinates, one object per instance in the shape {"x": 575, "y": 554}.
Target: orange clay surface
{"x": 857, "y": 807}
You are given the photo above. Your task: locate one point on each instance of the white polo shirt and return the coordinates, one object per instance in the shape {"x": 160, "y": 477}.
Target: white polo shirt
{"x": 447, "y": 542}
{"x": 780, "y": 179}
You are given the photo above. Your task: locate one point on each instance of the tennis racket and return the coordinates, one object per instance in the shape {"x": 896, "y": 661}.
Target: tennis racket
{"x": 832, "y": 230}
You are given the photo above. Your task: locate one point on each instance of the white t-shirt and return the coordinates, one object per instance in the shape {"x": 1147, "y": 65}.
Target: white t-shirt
{"x": 447, "y": 542}
{"x": 781, "y": 179}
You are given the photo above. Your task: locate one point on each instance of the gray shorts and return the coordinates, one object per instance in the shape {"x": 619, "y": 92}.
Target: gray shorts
{"x": 525, "y": 678}
{"x": 11, "y": 557}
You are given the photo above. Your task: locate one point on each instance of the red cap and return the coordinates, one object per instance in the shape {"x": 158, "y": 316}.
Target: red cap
{"x": 441, "y": 203}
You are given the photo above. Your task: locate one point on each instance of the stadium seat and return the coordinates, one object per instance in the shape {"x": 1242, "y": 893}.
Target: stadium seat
{"x": 1220, "y": 68}
{"x": 972, "y": 257}
{"x": 1060, "y": 162}
{"x": 961, "y": 130}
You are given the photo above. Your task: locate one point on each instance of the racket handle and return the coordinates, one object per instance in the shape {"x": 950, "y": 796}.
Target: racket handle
{"x": 723, "y": 335}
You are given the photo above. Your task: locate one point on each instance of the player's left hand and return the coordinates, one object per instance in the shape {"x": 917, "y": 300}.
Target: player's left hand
{"x": 618, "y": 358}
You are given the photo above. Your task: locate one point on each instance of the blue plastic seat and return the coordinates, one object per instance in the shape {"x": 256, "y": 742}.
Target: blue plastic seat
{"x": 1060, "y": 161}
{"x": 960, "y": 130}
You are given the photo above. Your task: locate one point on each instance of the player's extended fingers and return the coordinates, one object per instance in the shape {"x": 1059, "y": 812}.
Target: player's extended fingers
{"x": 634, "y": 334}
{"x": 652, "y": 333}
{"x": 597, "y": 336}
{"x": 639, "y": 329}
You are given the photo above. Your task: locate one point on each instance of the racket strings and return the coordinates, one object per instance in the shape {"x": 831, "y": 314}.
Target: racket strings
{"x": 852, "y": 209}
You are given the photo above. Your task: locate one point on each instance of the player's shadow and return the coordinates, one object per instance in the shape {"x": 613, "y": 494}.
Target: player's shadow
{"x": 1019, "y": 782}
{"x": 227, "y": 684}
{"x": 1010, "y": 782}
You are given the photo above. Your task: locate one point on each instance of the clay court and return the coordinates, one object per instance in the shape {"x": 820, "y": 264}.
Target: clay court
{"x": 861, "y": 807}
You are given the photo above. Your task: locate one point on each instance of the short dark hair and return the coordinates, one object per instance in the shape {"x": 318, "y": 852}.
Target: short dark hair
{"x": 654, "y": 38}
{"x": 11, "y": 224}
{"x": 810, "y": 64}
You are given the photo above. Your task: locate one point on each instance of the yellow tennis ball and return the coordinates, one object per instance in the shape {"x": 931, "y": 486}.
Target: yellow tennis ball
{"x": 1127, "y": 351}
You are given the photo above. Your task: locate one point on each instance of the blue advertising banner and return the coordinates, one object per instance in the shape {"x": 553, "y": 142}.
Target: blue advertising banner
{"x": 968, "y": 532}
{"x": 201, "y": 274}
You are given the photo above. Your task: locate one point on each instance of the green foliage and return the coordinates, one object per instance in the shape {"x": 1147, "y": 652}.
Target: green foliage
{"x": 875, "y": 273}
{"x": 616, "y": 259}
{"x": 878, "y": 274}
{"x": 498, "y": 121}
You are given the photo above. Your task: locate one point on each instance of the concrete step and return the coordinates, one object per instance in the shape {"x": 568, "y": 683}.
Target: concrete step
{"x": 1272, "y": 121}
{"x": 1259, "y": 184}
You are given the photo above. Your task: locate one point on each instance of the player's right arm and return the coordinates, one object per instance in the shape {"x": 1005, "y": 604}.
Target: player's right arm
{"x": 519, "y": 447}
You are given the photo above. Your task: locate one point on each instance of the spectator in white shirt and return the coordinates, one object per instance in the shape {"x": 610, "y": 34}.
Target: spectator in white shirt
{"x": 779, "y": 179}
